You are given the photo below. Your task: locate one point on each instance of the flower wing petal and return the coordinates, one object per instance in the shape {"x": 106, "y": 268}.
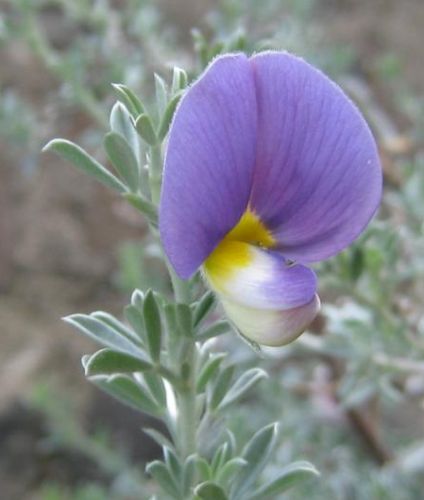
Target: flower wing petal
{"x": 271, "y": 327}
{"x": 209, "y": 162}
{"x": 317, "y": 178}
{"x": 254, "y": 277}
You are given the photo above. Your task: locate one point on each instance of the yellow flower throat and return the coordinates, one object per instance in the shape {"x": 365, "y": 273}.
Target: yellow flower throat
{"x": 234, "y": 250}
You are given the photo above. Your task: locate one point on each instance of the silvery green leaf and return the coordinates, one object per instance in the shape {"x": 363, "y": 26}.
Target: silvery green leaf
{"x": 137, "y": 298}
{"x": 214, "y": 330}
{"x": 203, "y": 307}
{"x": 84, "y": 162}
{"x": 230, "y": 469}
{"x": 103, "y": 333}
{"x": 209, "y": 370}
{"x": 122, "y": 123}
{"x": 290, "y": 476}
{"x": 168, "y": 116}
{"x": 123, "y": 159}
{"x": 210, "y": 491}
{"x": 160, "y": 438}
{"x": 152, "y": 324}
{"x": 203, "y": 468}
{"x": 144, "y": 127}
{"x": 179, "y": 79}
{"x": 144, "y": 206}
{"x": 256, "y": 453}
{"x": 221, "y": 386}
{"x": 156, "y": 386}
{"x": 129, "y": 99}
{"x": 106, "y": 361}
{"x": 219, "y": 457}
{"x": 173, "y": 465}
{"x": 160, "y": 473}
{"x": 117, "y": 325}
{"x": 161, "y": 93}
{"x": 189, "y": 469}
{"x": 135, "y": 319}
{"x": 130, "y": 392}
{"x": 242, "y": 385}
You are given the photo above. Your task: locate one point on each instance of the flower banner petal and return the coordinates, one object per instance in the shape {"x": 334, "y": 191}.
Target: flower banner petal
{"x": 271, "y": 327}
{"x": 317, "y": 177}
{"x": 254, "y": 277}
{"x": 209, "y": 162}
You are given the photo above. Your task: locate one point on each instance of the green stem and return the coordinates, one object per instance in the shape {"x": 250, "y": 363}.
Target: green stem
{"x": 187, "y": 416}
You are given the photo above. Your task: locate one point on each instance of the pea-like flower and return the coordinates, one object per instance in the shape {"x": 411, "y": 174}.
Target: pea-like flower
{"x": 269, "y": 167}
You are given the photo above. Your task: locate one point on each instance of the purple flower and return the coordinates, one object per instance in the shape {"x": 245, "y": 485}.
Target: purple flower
{"x": 269, "y": 167}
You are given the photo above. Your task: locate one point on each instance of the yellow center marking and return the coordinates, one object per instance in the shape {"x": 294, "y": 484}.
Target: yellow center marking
{"x": 234, "y": 250}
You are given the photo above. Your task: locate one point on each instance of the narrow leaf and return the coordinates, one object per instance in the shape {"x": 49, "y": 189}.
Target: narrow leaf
{"x": 110, "y": 320}
{"x": 203, "y": 307}
{"x": 123, "y": 159}
{"x": 128, "y": 391}
{"x": 230, "y": 469}
{"x": 129, "y": 99}
{"x": 102, "y": 333}
{"x": 135, "y": 319}
{"x": 163, "y": 477}
{"x": 107, "y": 361}
{"x": 179, "y": 79}
{"x": 145, "y": 128}
{"x": 243, "y": 385}
{"x": 144, "y": 206}
{"x": 209, "y": 370}
{"x": 216, "y": 329}
{"x": 167, "y": 116}
{"x": 160, "y": 438}
{"x": 256, "y": 453}
{"x": 156, "y": 386}
{"x": 291, "y": 475}
{"x": 84, "y": 162}
{"x": 210, "y": 491}
{"x": 221, "y": 386}
{"x": 161, "y": 93}
{"x": 122, "y": 123}
{"x": 152, "y": 323}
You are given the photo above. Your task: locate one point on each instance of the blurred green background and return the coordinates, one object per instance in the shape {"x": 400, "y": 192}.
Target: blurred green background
{"x": 349, "y": 393}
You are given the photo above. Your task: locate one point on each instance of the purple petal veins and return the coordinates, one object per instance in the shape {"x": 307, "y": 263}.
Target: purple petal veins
{"x": 274, "y": 137}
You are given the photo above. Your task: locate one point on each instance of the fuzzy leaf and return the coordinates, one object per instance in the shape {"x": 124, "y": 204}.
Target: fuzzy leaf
{"x": 216, "y": 329}
{"x": 209, "y": 370}
{"x": 221, "y": 386}
{"x": 256, "y": 453}
{"x": 107, "y": 361}
{"x": 102, "y": 333}
{"x": 210, "y": 491}
{"x": 129, "y": 99}
{"x": 242, "y": 385}
{"x": 84, "y": 162}
{"x": 122, "y": 123}
{"x": 203, "y": 307}
{"x": 160, "y": 473}
{"x": 135, "y": 319}
{"x": 144, "y": 206}
{"x": 167, "y": 116}
{"x": 160, "y": 438}
{"x": 152, "y": 324}
{"x": 288, "y": 477}
{"x": 230, "y": 469}
{"x": 144, "y": 127}
{"x": 128, "y": 391}
{"x": 123, "y": 159}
